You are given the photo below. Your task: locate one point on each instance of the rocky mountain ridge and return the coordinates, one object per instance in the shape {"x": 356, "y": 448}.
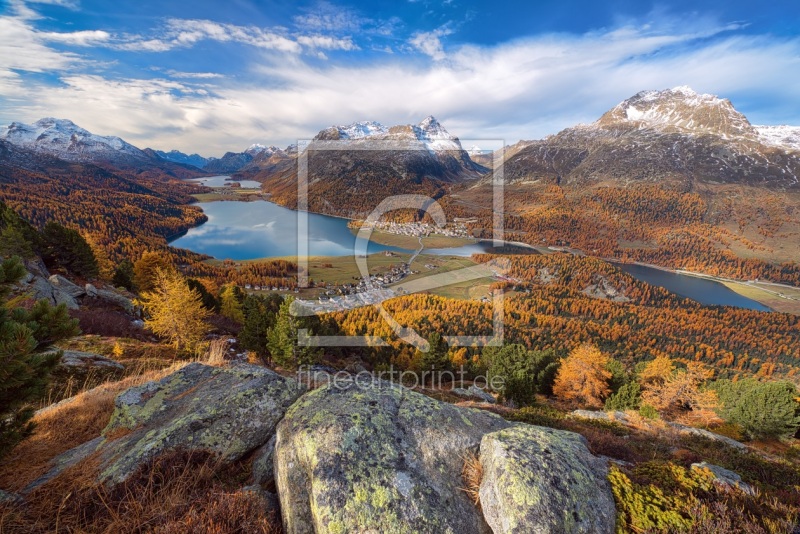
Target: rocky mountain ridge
{"x": 672, "y": 136}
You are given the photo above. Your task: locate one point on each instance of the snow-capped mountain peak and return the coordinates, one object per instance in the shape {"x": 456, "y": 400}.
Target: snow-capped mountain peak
{"x": 66, "y": 140}
{"x": 257, "y": 148}
{"x": 680, "y": 109}
{"x": 361, "y": 129}
{"x": 435, "y": 136}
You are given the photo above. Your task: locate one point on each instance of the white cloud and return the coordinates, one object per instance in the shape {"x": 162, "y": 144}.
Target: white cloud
{"x": 325, "y": 17}
{"x": 80, "y": 38}
{"x": 195, "y": 75}
{"x": 327, "y": 42}
{"x": 429, "y": 43}
{"x": 187, "y": 32}
{"x": 23, "y": 49}
{"x": 519, "y": 90}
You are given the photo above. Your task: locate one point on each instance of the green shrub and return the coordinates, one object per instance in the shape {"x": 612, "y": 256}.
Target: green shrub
{"x": 538, "y": 415}
{"x": 626, "y": 398}
{"x": 525, "y": 372}
{"x": 645, "y": 507}
{"x": 762, "y": 409}
{"x": 25, "y": 369}
{"x": 648, "y": 412}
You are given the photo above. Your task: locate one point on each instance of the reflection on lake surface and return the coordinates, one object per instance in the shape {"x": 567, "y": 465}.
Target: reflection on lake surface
{"x": 261, "y": 229}
{"x": 222, "y": 181}
{"x": 709, "y": 292}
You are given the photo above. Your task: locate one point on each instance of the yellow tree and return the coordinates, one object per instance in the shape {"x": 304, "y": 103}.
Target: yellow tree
{"x": 583, "y": 376}
{"x": 684, "y": 391}
{"x": 174, "y": 311}
{"x": 656, "y": 372}
{"x": 231, "y": 306}
{"x": 144, "y": 270}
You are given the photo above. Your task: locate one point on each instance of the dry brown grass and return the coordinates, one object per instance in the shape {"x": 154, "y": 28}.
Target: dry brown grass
{"x": 217, "y": 352}
{"x": 472, "y": 475}
{"x": 180, "y": 491}
{"x": 65, "y": 425}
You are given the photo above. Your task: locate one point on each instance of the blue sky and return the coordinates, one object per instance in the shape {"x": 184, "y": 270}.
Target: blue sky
{"x": 207, "y": 76}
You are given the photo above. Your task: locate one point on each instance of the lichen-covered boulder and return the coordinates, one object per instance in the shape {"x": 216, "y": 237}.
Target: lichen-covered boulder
{"x": 375, "y": 457}
{"x": 226, "y": 410}
{"x": 229, "y": 411}
{"x": 543, "y": 480}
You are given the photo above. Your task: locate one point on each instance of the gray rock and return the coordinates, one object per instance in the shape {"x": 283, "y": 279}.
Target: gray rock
{"x": 461, "y": 392}
{"x": 700, "y": 432}
{"x": 67, "y": 287}
{"x": 484, "y": 395}
{"x": 91, "y": 290}
{"x": 115, "y": 298}
{"x": 65, "y": 461}
{"x": 474, "y": 392}
{"x": 41, "y": 289}
{"x": 539, "y": 479}
{"x": 229, "y": 411}
{"x": 263, "y": 458}
{"x": 87, "y": 360}
{"x": 374, "y": 457}
{"x": 725, "y": 477}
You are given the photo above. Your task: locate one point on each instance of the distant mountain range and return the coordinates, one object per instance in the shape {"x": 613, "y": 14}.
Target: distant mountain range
{"x": 673, "y": 134}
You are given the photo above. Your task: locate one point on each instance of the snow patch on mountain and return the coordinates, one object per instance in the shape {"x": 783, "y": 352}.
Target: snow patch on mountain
{"x": 361, "y": 130}
{"x": 787, "y": 137}
{"x": 66, "y": 140}
{"x": 680, "y": 109}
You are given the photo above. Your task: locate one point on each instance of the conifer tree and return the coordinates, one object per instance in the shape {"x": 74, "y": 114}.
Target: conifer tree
{"x": 259, "y": 317}
{"x": 66, "y": 248}
{"x": 436, "y": 360}
{"x": 24, "y": 370}
{"x": 123, "y": 275}
{"x": 175, "y": 312}
{"x": 282, "y": 340}
{"x": 762, "y": 409}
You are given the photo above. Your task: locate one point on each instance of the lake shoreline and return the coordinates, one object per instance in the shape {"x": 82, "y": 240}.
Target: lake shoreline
{"x": 744, "y": 289}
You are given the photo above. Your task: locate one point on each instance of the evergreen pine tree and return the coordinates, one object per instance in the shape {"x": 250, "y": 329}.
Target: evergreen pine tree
{"x": 282, "y": 340}
{"x": 123, "y": 275}
{"x": 66, "y": 248}
{"x": 259, "y": 317}
{"x": 436, "y": 359}
{"x": 24, "y": 371}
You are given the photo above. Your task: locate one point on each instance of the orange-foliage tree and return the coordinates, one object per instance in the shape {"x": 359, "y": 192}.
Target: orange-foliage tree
{"x": 583, "y": 377}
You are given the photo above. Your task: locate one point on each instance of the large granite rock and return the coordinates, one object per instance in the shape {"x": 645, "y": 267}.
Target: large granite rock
{"x": 229, "y": 411}
{"x": 65, "y": 286}
{"x": 41, "y": 288}
{"x": 541, "y": 480}
{"x": 377, "y": 458}
{"x": 115, "y": 298}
